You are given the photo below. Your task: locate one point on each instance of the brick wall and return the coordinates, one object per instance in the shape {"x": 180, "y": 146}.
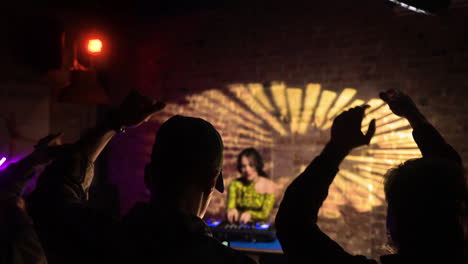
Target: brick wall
{"x": 336, "y": 44}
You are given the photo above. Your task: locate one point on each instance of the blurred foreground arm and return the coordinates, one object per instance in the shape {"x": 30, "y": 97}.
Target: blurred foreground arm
{"x": 18, "y": 239}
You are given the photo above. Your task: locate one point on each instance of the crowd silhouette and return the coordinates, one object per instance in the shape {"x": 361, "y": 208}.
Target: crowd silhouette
{"x": 426, "y": 197}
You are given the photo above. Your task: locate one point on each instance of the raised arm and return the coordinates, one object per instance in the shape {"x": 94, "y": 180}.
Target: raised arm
{"x": 58, "y": 205}
{"x": 71, "y": 174}
{"x": 296, "y": 221}
{"x": 429, "y": 140}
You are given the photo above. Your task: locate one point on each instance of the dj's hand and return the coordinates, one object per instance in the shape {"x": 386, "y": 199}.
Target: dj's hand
{"x": 233, "y": 215}
{"x": 245, "y": 217}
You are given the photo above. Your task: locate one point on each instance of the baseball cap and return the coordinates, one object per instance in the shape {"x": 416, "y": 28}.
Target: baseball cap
{"x": 187, "y": 142}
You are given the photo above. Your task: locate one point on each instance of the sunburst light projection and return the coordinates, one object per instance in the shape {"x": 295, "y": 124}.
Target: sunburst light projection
{"x": 290, "y": 126}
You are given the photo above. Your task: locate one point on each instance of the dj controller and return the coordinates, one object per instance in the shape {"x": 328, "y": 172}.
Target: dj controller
{"x": 253, "y": 232}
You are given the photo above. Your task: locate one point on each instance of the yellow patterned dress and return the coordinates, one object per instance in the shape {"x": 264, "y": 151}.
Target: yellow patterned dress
{"x": 244, "y": 198}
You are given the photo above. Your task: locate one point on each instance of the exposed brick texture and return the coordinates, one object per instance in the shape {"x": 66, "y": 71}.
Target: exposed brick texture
{"x": 338, "y": 44}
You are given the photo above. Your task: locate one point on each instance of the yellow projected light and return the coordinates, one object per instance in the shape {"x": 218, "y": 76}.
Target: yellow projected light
{"x": 258, "y": 92}
{"x": 279, "y": 96}
{"x": 310, "y": 100}
{"x": 243, "y": 94}
{"x": 295, "y": 103}
{"x": 275, "y": 117}
{"x": 326, "y": 100}
{"x": 341, "y": 101}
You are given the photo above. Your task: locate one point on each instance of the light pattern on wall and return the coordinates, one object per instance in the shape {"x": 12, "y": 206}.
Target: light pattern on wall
{"x": 292, "y": 124}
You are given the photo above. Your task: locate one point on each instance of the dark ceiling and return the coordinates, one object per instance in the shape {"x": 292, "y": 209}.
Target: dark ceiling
{"x": 144, "y": 8}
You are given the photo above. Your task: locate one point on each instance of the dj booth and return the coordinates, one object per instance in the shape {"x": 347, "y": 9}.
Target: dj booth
{"x": 257, "y": 237}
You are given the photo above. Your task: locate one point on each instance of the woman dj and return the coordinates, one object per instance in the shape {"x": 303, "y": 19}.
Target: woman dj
{"x": 252, "y": 196}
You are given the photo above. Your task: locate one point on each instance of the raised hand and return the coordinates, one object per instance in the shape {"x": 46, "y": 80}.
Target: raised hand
{"x": 399, "y": 103}
{"x": 402, "y": 105}
{"x": 49, "y": 140}
{"x": 346, "y": 129}
{"x": 136, "y": 109}
{"x": 46, "y": 149}
{"x": 15, "y": 177}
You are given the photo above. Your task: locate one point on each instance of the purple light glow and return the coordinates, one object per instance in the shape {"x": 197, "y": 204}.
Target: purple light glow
{"x": 2, "y": 161}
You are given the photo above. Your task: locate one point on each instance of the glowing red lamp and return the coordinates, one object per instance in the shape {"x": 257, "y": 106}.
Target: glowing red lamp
{"x": 94, "y": 46}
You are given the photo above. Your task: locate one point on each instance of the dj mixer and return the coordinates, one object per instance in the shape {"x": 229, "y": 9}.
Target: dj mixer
{"x": 253, "y": 232}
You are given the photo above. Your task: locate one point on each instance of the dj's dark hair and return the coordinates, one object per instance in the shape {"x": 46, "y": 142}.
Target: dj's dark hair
{"x": 253, "y": 155}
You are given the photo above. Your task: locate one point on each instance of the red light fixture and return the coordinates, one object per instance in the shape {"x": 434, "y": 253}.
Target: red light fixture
{"x": 84, "y": 86}
{"x": 94, "y": 46}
